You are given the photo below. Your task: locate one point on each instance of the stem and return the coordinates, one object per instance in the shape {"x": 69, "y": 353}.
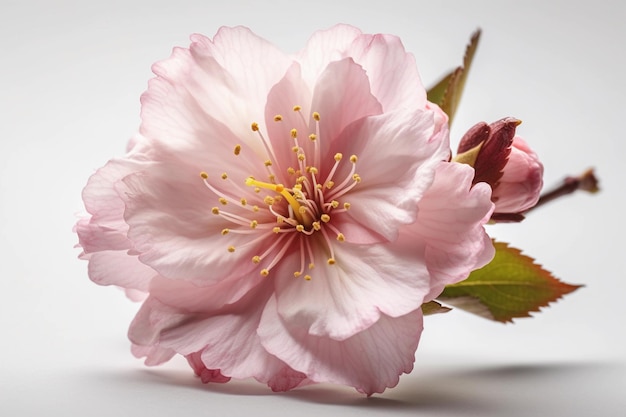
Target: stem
{"x": 587, "y": 181}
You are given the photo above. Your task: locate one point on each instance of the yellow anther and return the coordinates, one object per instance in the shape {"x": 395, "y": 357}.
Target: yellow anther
{"x": 313, "y": 170}
{"x": 330, "y": 184}
{"x": 237, "y": 150}
{"x": 346, "y": 206}
{"x": 223, "y": 201}
{"x": 297, "y": 108}
{"x": 279, "y": 188}
{"x": 301, "y": 157}
{"x": 215, "y": 210}
{"x": 204, "y": 175}
{"x": 312, "y": 137}
{"x": 338, "y": 156}
{"x": 331, "y": 261}
{"x": 257, "y": 190}
{"x": 297, "y": 274}
{"x": 256, "y": 259}
{"x": 298, "y": 187}
{"x": 318, "y": 186}
{"x": 278, "y": 118}
{"x": 356, "y": 177}
{"x": 225, "y": 232}
{"x": 255, "y": 127}
{"x": 272, "y": 178}
{"x": 316, "y": 225}
{"x": 334, "y": 204}
{"x": 300, "y": 228}
{"x": 231, "y": 249}
{"x": 265, "y": 272}
{"x": 255, "y": 208}
{"x": 300, "y": 180}
{"x": 311, "y": 265}
{"x": 316, "y": 116}
{"x": 268, "y": 163}
{"x": 254, "y": 224}
{"x": 295, "y": 149}
{"x": 291, "y": 171}
{"x": 307, "y": 277}
{"x": 243, "y": 201}
{"x": 353, "y": 159}
{"x": 224, "y": 176}
{"x": 276, "y": 229}
{"x": 294, "y": 133}
{"x": 341, "y": 237}
{"x": 325, "y": 218}
{"x": 302, "y": 210}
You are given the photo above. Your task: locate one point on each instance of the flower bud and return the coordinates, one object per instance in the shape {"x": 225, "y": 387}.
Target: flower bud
{"x": 505, "y": 162}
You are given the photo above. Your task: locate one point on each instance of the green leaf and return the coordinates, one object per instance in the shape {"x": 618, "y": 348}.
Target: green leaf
{"x": 448, "y": 91}
{"x": 512, "y": 285}
{"x": 433, "y": 307}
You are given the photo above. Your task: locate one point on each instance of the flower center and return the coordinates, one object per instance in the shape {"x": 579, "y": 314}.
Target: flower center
{"x": 300, "y": 216}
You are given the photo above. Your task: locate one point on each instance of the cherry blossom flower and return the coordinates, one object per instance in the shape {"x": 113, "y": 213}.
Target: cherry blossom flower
{"x": 284, "y": 217}
{"x": 506, "y": 162}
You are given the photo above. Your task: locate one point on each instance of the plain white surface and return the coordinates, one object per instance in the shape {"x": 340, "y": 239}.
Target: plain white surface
{"x": 71, "y": 76}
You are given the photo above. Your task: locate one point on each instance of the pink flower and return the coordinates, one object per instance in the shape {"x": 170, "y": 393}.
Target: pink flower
{"x": 505, "y": 162}
{"x": 285, "y": 217}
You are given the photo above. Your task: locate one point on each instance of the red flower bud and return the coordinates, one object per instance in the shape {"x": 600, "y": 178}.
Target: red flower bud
{"x": 505, "y": 162}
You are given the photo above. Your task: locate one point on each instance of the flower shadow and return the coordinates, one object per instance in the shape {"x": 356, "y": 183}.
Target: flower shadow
{"x": 486, "y": 390}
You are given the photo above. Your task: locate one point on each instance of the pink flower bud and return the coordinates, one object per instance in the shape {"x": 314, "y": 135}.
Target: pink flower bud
{"x": 505, "y": 162}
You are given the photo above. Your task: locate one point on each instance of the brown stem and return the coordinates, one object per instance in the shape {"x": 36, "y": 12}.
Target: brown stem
{"x": 587, "y": 181}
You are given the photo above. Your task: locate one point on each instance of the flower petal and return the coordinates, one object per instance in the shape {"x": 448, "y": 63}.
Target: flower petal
{"x": 345, "y": 298}
{"x": 387, "y": 196}
{"x": 451, "y": 217}
{"x": 370, "y": 361}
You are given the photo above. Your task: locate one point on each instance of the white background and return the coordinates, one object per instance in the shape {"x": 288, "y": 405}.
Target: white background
{"x": 71, "y": 76}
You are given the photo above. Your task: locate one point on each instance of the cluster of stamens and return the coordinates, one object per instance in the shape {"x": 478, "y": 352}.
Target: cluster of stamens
{"x": 301, "y": 209}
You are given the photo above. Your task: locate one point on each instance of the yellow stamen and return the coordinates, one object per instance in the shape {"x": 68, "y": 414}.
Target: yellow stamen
{"x": 254, "y": 224}
{"x": 225, "y": 232}
{"x": 341, "y": 237}
{"x": 331, "y": 261}
{"x": 307, "y": 277}
{"x": 255, "y": 127}
{"x": 297, "y": 108}
{"x": 278, "y": 118}
{"x": 265, "y": 272}
{"x": 215, "y": 210}
{"x": 237, "y": 150}
{"x": 224, "y": 176}
{"x": 223, "y": 201}
{"x": 279, "y": 188}
{"x": 204, "y": 175}
{"x": 316, "y": 116}
{"x": 231, "y": 249}
{"x": 294, "y": 133}
{"x": 353, "y": 159}
{"x": 325, "y": 218}
{"x": 312, "y": 137}
{"x": 256, "y": 259}
{"x": 243, "y": 201}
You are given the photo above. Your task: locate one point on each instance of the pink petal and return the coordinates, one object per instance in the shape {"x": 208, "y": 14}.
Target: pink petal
{"x": 345, "y": 298}
{"x": 450, "y": 222}
{"x": 227, "y": 340}
{"x": 392, "y": 71}
{"x": 342, "y": 96}
{"x": 387, "y": 196}
{"x": 370, "y": 361}
{"x": 171, "y": 224}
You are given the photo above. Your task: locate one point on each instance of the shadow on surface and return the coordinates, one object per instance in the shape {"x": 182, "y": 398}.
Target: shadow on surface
{"x": 467, "y": 391}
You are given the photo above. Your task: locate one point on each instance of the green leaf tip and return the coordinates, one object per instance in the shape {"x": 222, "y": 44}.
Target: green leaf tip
{"x": 447, "y": 92}
{"x": 511, "y": 286}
